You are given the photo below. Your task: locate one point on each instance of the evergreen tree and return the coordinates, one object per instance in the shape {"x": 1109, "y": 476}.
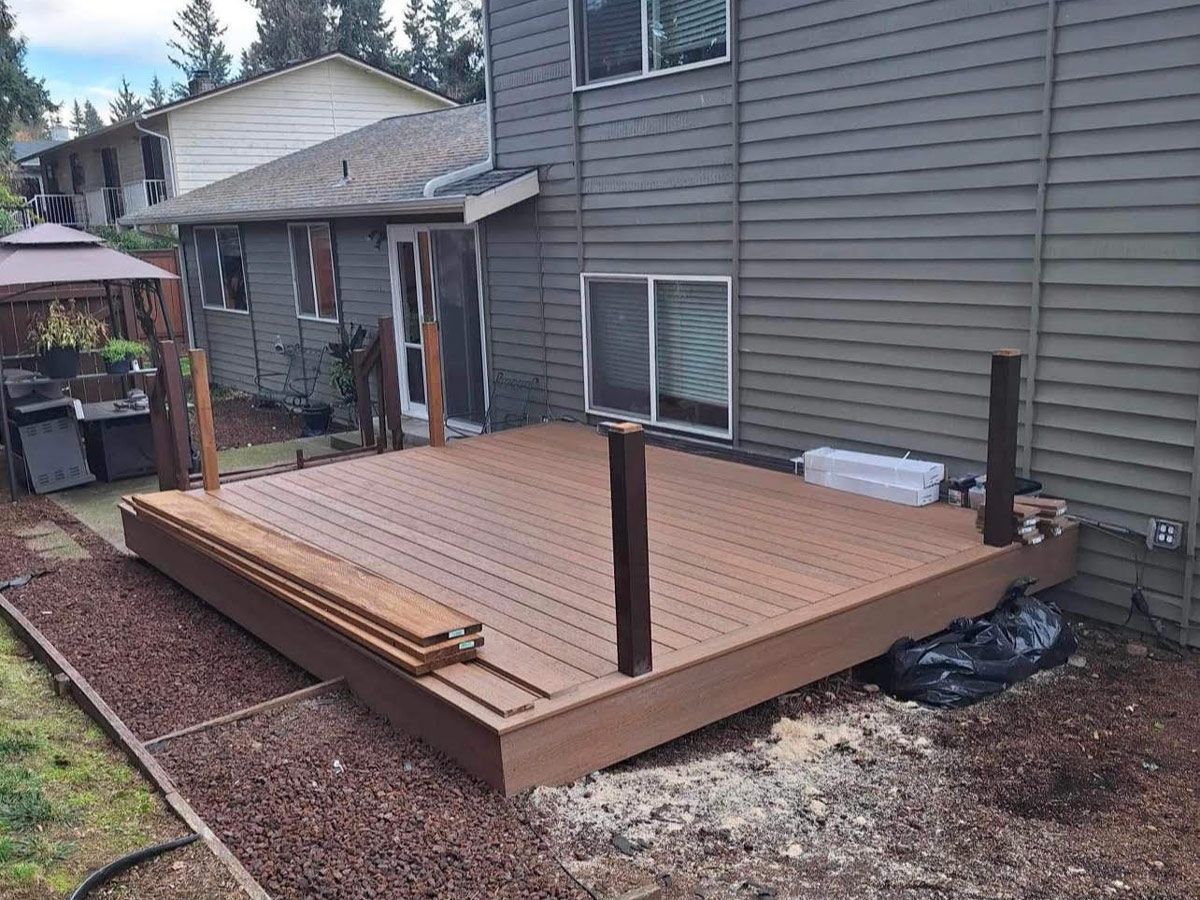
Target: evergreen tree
{"x": 460, "y": 68}
{"x": 126, "y": 104}
{"x": 77, "y": 123}
{"x": 288, "y": 31}
{"x": 361, "y": 29}
{"x": 91, "y": 119}
{"x": 415, "y": 62}
{"x": 22, "y": 97}
{"x": 158, "y": 95}
{"x": 199, "y": 46}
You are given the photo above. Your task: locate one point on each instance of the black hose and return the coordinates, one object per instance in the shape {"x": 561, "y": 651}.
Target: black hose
{"x": 117, "y": 866}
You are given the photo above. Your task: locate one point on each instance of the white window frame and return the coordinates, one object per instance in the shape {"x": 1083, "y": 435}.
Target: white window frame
{"x": 653, "y": 419}
{"x": 224, "y": 307}
{"x": 573, "y": 12}
{"x": 337, "y": 307}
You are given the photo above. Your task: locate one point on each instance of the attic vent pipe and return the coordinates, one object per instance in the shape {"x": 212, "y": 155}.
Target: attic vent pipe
{"x": 345, "y": 170}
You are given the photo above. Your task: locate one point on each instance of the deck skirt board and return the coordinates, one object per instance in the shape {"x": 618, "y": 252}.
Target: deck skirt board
{"x": 759, "y": 583}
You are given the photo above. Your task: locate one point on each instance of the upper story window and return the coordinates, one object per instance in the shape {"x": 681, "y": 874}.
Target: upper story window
{"x": 619, "y": 40}
{"x": 657, "y": 350}
{"x": 219, "y": 265}
{"x": 312, "y": 271}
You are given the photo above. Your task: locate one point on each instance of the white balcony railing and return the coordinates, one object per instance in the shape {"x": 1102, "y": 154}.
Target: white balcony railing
{"x": 105, "y": 206}
{"x": 62, "y": 209}
{"x": 140, "y": 194}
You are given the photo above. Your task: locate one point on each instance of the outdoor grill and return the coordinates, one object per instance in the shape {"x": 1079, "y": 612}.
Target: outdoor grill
{"x": 43, "y": 424}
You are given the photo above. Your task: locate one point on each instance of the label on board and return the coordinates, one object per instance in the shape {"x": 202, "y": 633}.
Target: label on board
{"x": 457, "y": 632}
{"x": 466, "y": 645}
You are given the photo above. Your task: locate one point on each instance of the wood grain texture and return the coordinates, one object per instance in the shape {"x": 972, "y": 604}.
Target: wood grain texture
{"x": 204, "y": 420}
{"x": 433, "y": 384}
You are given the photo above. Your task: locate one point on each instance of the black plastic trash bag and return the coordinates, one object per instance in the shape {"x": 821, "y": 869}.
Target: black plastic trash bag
{"x": 976, "y": 658}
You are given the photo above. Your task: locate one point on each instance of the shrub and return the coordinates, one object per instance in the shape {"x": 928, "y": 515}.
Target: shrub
{"x": 118, "y": 349}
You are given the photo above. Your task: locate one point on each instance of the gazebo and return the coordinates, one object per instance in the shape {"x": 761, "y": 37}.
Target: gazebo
{"x": 51, "y": 255}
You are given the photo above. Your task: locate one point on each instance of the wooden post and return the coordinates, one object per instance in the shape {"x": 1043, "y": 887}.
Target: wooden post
{"x": 204, "y": 421}
{"x": 434, "y": 401}
{"x": 160, "y": 430}
{"x": 172, "y": 386}
{"x": 362, "y": 388}
{"x": 1002, "y": 448}
{"x": 389, "y": 381}
{"x": 631, "y": 545}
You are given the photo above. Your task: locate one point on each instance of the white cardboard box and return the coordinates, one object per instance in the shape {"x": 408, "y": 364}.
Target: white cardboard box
{"x": 880, "y": 490}
{"x": 913, "y": 473}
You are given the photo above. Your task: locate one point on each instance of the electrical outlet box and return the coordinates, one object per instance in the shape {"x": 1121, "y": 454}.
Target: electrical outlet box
{"x": 1164, "y": 534}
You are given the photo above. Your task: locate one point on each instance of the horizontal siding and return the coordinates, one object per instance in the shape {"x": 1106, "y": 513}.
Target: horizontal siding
{"x": 888, "y": 179}
{"x": 255, "y": 124}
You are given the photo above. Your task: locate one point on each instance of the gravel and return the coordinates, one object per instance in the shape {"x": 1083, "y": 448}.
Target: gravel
{"x": 325, "y": 799}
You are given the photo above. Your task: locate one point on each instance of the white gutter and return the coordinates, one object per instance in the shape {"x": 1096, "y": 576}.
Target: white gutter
{"x": 170, "y": 154}
{"x": 436, "y": 184}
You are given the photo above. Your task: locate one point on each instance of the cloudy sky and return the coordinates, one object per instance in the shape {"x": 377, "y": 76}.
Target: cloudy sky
{"x": 83, "y": 47}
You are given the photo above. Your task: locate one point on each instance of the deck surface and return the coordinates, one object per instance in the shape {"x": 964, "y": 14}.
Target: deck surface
{"x": 513, "y": 530}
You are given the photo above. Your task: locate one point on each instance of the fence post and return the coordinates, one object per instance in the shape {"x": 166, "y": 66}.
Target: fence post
{"x": 631, "y": 545}
{"x": 434, "y": 401}
{"x": 1002, "y": 448}
{"x": 209, "y": 470}
{"x": 171, "y": 379}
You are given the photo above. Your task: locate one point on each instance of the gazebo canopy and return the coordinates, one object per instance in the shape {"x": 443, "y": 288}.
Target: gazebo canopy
{"x": 55, "y": 254}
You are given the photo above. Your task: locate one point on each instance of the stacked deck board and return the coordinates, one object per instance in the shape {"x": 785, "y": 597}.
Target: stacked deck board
{"x": 415, "y": 633}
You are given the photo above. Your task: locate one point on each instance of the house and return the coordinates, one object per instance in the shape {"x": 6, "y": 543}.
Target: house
{"x": 27, "y": 177}
{"x": 216, "y": 132}
{"x": 384, "y": 220}
{"x": 769, "y": 227}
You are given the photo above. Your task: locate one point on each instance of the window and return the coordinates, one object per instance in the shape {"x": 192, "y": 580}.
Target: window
{"x": 222, "y": 274}
{"x": 312, "y": 271}
{"x": 657, "y": 350}
{"x": 624, "y": 39}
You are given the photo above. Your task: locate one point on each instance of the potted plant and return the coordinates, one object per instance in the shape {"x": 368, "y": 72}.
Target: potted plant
{"x": 119, "y": 355}
{"x": 316, "y": 418}
{"x": 61, "y": 334}
{"x": 341, "y": 369}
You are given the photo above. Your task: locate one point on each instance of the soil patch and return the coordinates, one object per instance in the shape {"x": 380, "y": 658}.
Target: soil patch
{"x": 240, "y": 420}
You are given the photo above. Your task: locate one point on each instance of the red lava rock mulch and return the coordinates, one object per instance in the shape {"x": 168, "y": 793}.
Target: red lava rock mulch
{"x": 162, "y": 659}
{"x": 325, "y": 799}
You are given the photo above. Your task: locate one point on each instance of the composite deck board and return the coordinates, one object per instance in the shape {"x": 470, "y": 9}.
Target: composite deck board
{"x": 550, "y": 576}
{"x": 763, "y": 507}
{"x": 545, "y": 549}
{"x": 759, "y": 584}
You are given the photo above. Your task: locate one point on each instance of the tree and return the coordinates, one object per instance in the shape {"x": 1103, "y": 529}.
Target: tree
{"x": 360, "y": 28}
{"x": 415, "y": 62}
{"x": 23, "y": 98}
{"x": 78, "y": 126}
{"x": 199, "y": 46}
{"x": 288, "y": 31}
{"x": 157, "y": 96}
{"x": 126, "y": 104}
{"x": 459, "y": 55}
{"x": 91, "y": 119}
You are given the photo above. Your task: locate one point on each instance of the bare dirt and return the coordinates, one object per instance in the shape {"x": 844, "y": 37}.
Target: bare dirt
{"x": 240, "y": 420}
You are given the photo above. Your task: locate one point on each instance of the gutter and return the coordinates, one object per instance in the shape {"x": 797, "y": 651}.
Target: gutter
{"x": 436, "y": 184}
{"x": 439, "y": 205}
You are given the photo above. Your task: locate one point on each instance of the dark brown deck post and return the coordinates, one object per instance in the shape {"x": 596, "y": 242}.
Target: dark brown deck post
{"x": 389, "y": 382}
{"x": 171, "y": 379}
{"x": 1002, "y": 448}
{"x": 631, "y": 545}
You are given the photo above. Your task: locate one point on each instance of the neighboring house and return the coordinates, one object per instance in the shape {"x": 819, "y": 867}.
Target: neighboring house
{"x": 379, "y": 221}
{"x": 776, "y": 226}
{"x": 27, "y": 178}
{"x": 216, "y": 132}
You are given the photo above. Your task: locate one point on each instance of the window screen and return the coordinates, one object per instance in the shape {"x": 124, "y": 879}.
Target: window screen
{"x": 612, "y": 38}
{"x": 619, "y": 334}
{"x": 691, "y": 341}
{"x": 312, "y": 269}
{"x": 622, "y": 38}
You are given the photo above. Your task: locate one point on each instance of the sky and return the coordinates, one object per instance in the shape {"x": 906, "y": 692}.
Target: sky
{"x": 83, "y": 47}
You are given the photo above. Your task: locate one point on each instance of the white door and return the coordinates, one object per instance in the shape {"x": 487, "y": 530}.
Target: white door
{"x": 412, "y": 303}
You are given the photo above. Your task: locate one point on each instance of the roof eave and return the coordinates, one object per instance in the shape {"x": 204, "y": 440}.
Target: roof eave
{"x": 440, "y": 205}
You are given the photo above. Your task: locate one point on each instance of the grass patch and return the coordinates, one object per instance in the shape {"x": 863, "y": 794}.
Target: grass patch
{"x": 68, "y": 801}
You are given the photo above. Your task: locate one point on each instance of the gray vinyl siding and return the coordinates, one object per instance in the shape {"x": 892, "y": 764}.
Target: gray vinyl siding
{"x": 364, "y": 296}
{"x": 887, "y": 175}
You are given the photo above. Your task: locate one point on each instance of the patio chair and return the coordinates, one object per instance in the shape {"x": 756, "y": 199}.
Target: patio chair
{"x": 515, "y": 402}
{"x": 298, "y": 381}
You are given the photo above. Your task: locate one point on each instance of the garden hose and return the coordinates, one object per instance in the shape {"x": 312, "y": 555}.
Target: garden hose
{"x": 117, "y": 866}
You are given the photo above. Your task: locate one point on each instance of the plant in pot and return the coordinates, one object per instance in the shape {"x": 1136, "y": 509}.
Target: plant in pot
{"x": 61, "y": 334}
{"x": 119, "y": 355}
{"x": 341, "y": 369}
{"x": 316, "y": 418}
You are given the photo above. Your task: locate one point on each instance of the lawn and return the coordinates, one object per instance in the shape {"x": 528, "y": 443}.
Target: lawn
{"x": 68, "y": 802}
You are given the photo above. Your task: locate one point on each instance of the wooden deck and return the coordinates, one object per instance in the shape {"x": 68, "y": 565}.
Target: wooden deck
{"x": 760, "y": 583}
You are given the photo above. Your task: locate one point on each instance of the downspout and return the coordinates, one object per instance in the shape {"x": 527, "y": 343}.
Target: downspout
{"x": 169, "y": 158}
{"x": 437, "y": 183}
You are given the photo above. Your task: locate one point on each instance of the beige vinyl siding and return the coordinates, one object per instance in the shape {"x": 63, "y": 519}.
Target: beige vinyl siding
{"x": 127, "y": 141}
{"x": 235, "y": 131}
